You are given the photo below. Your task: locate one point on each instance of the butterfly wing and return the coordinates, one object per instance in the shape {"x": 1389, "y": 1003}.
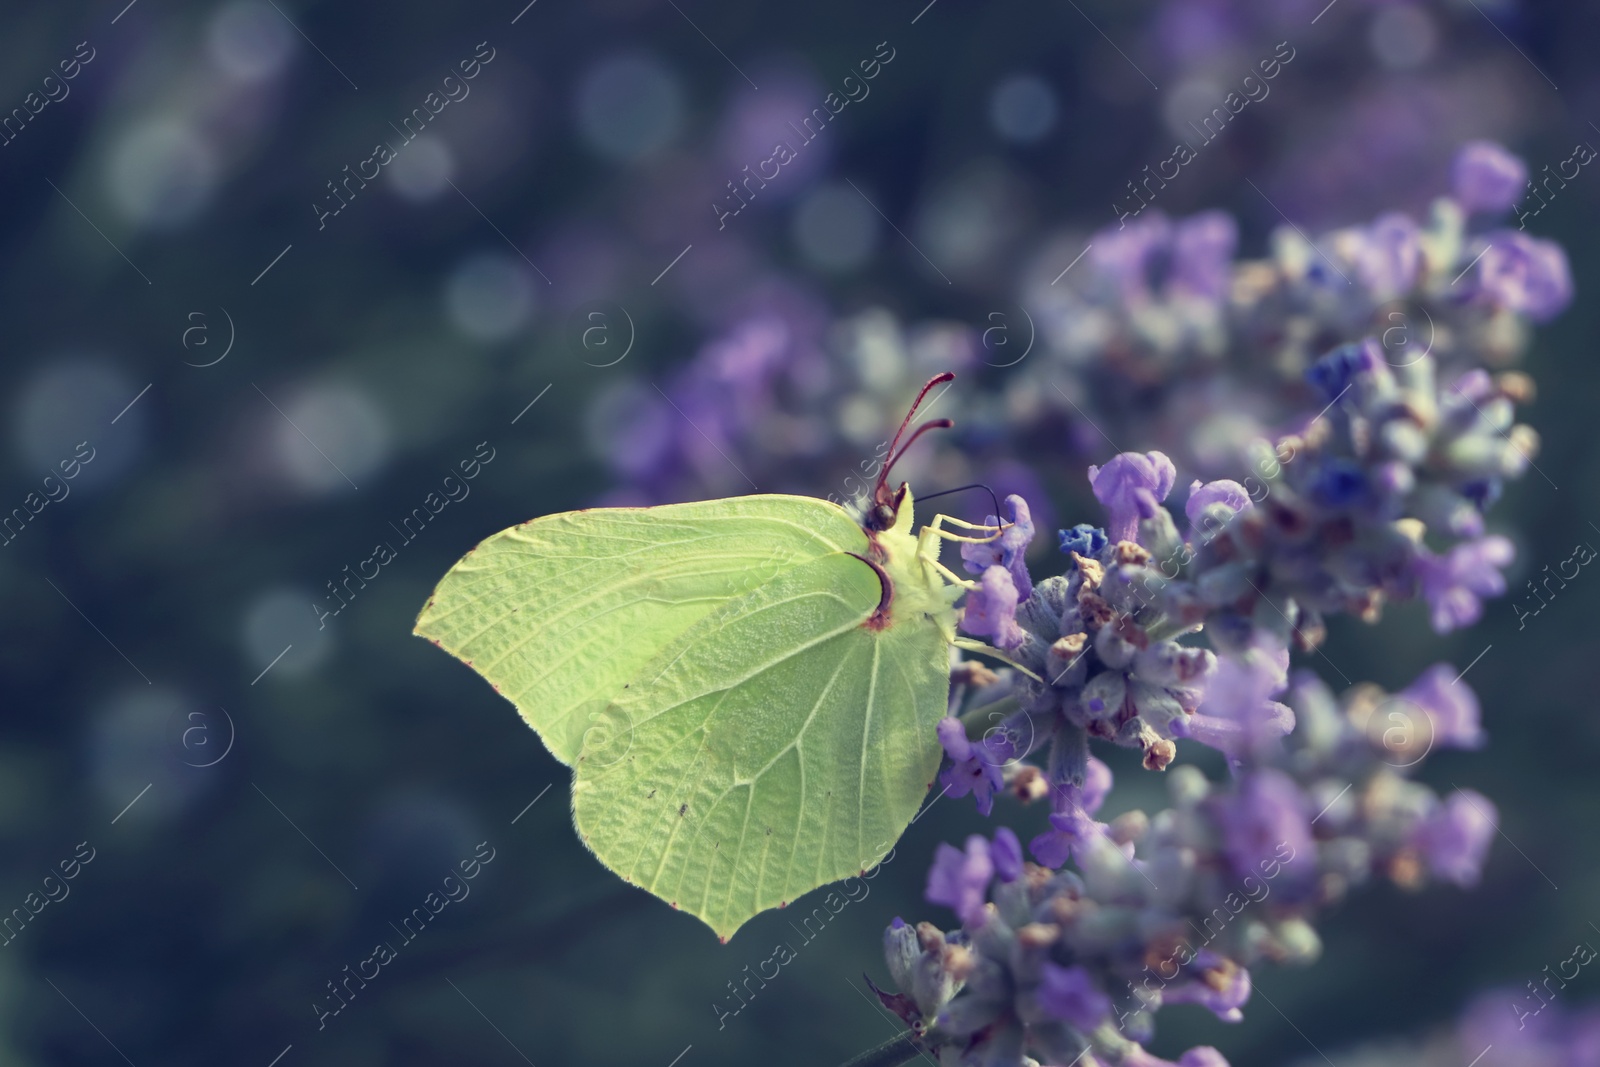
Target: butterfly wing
{"x": 560, "y": 612}
{"x": 776, "y": 746}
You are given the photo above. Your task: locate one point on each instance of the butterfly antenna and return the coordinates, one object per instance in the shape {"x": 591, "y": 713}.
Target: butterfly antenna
{"x": 931, "y": 424}
{"x": 895, "y": 449}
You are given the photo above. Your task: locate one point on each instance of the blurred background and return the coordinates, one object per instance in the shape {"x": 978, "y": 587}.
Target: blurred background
{"x": 260, "y": 342}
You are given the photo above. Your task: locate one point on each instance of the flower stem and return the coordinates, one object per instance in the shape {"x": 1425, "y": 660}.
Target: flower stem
{"x": 896, "y": 1050}
{"x": 987, "y": 712}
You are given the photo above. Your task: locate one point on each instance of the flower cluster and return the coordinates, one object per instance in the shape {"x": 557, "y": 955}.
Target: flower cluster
{"x": 784, "y": 403}
{"x": 1382, "y": 501}
{"x": 1378, "y": 497}
{"x": 1165, "y": 336}
{"x": 1070, "y": 966}
{"x": 1165, "y": 322}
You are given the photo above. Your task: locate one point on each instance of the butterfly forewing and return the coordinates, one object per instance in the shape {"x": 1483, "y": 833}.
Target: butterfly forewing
{"x": 560, "y": 612}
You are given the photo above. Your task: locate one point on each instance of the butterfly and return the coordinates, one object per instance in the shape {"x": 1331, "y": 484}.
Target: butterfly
{"x": 746, "y": 689}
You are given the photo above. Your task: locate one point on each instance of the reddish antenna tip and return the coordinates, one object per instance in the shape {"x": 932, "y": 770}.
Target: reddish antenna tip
{"x": 885, "y": 504}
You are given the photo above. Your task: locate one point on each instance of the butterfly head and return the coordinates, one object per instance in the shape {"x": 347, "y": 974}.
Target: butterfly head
{"x": 883, "y": 509}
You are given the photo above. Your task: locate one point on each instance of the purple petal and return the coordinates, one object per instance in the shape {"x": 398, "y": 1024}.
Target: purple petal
{"x": 1486, "y": 177}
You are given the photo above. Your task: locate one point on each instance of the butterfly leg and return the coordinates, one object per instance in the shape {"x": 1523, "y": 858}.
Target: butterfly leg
{"x": 929, "y": 537}
{"x": 969, "y": 645}
{"x": 928, "y": 553}
{"x": 936, "y": 527}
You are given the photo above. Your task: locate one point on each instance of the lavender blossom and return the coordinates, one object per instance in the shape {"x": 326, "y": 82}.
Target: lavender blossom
{"x": 1131, "y": 486}
{"x": 1006, "y": 854}
{"x": 1087, "y": 541}
{"x": 1454, "y": 838}
{"x": 1266, "y": 819}
{"x": 1211, "y": 505}
{"x": 1392, "y": 257}
{"x": 1239, "y": 715}
{"x": 991, "y": 609}
{"x": 1006, "y": 550}
{"x": 1173, "y": 908}
{"x": 974, "y": 769}
{"x": 1202, "y": 255}
{"x": 1224, "y": 989}
{"x": 1072, "y": 823}
{"x": 960, "y": 880}
{"x": 1450, "y": 704}
{"x": 1525, "y": 274}
{"x": 1069, "y": 994}
{"x": 1487, "y": 178}
{"x": 1453, "y": 584}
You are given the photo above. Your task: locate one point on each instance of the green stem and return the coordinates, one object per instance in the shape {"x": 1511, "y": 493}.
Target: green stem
{"x": 1170, "y": 629}
{"x": 897, "y": 1050}
{"x": 985, "y": 714}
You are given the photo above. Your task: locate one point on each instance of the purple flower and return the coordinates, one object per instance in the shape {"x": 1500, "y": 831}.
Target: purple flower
{"x": 1006, "y": 854}
{"x": 751, "y": 355}
{"x": 953, "y": 737}
{"x": 1486, "y": 177}
{"x": 1391, "y": 255}
{"x": 1475, "y": 386}
{"x": 960, "y": 880}
{"x": 1451, "y": 706}
{"x": 1202, "y": 1056}
{"x": 1453, "y": 584}
{"x": 974, "y": 769}
{"x": 1238, "y": 714}
{"x": 991, "y": 609}
{"x": 1072, "y": 821}
{"x": 1199, "y": 1056}
{"x": 1338, "y": 482}
{"x": 1454, "y": 837}
{"x": 1126, "y": 253}
{"x": 1223, "y": 987}
{"x": 1525, "y": 1035}
{"x": 1232, "y": 737}
{"x": 1085, "y": 540}
{"x": 1069, "y": 994}
{"x": 1335, "y": 371}
{"x": 1265, "y": 825}
{"x": 1202, "y": 254}
{"x": 1070, "y": 833}
{"x": 1006, "y": 550}
{"x": 1132, "y": 486}
{"x": 1214, "y": 503}
{"x": 1525, "y": 274}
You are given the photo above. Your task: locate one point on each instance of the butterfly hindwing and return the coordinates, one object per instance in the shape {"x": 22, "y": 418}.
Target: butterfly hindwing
{"x": 779, "y": 744}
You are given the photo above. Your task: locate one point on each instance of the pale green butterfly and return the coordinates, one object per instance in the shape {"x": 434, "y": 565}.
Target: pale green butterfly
{"x": 747, "y": 689}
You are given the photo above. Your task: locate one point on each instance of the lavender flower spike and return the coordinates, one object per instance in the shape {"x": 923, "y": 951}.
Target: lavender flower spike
{"x": 1132, "y": 487}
